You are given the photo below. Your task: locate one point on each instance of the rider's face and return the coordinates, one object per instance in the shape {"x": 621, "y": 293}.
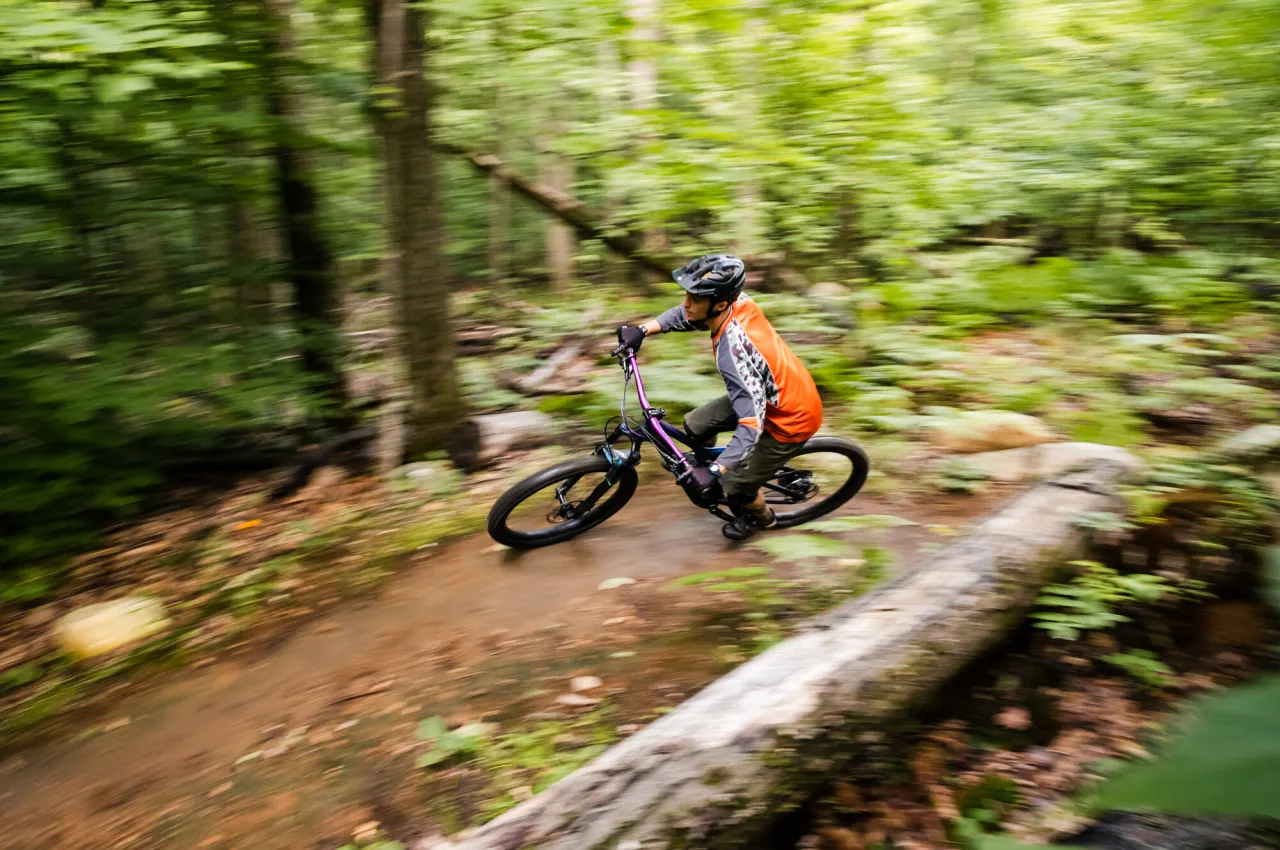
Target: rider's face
{"x": 699, "y": 309}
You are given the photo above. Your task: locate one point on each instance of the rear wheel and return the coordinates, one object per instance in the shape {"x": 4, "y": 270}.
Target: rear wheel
{"x": 822, "y": 476}
{"x": 561, "y": 502}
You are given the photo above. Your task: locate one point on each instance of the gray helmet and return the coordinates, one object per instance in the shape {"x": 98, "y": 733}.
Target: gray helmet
{"x": 719, "y": 277}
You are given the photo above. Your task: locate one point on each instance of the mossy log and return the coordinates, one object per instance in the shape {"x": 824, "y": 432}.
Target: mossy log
{"x": 726, "y": 767}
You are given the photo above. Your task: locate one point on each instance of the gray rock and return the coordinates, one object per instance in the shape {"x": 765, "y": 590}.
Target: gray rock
{"x": 1035, "y": 462}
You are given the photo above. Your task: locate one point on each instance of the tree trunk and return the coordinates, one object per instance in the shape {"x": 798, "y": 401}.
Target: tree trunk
{"x": 317, "y": 304}
{"x": 722, "y": 769}
{"x": 557, "y": 173}
{"x": 643, "y": 69}
{"x": 416, "y": 264}
{"x": 747, "y": 228}
{"x": 499, "y": 194}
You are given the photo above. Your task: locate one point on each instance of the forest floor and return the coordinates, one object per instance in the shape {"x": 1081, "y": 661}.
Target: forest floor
{"x": 306, "y": 730}
{"x": 322, "y": 642}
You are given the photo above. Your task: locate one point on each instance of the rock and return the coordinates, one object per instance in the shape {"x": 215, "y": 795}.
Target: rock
{"x": 615, "y": 583}
{"x": 107, "y": 626}
{"x": 418, "y": 472}
{"x": 1031, "y": 463}
{"x": 576, "y": 700}
{"x": 584, "y": 683}
{"x": 988, "y": 430}
{"x": 1255, "y": 443}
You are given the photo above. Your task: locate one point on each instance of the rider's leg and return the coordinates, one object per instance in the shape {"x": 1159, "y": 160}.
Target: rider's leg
{"x": 703, "y": 423}
{"x": 742, "y": 485}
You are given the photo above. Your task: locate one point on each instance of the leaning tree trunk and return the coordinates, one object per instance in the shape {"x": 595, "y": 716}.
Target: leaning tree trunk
{"x": 416, "y": 265}
{"x": 317, "y": 307}
{"x": 723, "y": 768}
{"x": 557, "y": 174}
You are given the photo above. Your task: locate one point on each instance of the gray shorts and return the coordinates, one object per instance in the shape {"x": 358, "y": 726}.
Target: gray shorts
{"x": 742, "y": 482}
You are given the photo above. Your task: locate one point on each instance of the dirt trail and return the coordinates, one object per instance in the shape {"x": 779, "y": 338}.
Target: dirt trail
{"x": 264, "y": 753}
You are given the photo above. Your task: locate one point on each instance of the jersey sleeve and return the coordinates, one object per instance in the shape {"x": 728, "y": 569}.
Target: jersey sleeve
{"x": 675, "y": 320}
{"x": 748, "y": 400}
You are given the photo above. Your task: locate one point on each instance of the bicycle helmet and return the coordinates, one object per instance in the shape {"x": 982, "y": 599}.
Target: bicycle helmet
{"x": 719, "y": 277}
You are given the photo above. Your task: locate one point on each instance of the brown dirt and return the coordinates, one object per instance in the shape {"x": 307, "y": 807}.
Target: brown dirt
{"x": 330, "y": 712}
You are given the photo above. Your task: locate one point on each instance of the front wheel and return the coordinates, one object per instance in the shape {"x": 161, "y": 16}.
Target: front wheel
{"x": 561, "y": 502}
{"x": 822, "y": 476}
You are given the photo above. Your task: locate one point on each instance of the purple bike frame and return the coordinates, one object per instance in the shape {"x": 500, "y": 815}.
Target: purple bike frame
{"x": 655, "y": 425}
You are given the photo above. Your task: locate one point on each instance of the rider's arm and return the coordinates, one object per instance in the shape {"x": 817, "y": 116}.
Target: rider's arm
{"x": 672, "y": 320}
{"x": 748, "y": 396}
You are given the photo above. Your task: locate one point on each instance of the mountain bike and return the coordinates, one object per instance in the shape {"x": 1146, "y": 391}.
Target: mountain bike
{"x": 569, "y": 498}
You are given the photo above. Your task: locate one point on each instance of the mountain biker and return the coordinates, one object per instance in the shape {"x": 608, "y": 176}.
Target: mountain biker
{"x": 772, "y": 405}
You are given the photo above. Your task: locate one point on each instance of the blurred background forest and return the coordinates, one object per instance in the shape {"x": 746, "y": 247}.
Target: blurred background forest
{"x": 208, "y": 208}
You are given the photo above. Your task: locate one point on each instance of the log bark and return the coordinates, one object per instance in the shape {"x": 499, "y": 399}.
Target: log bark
{"x": 489, "y": 437}
{"x": 542, "y": 380}
{"x": 723, "y": 768}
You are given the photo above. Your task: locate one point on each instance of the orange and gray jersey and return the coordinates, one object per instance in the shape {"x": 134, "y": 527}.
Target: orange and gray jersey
{"x": 768, "y": 385}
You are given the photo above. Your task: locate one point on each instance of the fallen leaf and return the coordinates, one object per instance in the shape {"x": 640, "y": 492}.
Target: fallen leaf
{"x": 584, "y": 683}
{"x": 221, "y": 789}
{"x": 210, "y": 841}
{"x": 252, "y": 523}
{"x": 615, "y": 583}
{"x": 119, "y": 723}
{"x": 1014, "y": 717}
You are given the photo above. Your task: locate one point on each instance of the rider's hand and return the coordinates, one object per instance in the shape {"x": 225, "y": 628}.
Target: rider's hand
{"x": 702, "y": 485}
{"x": 631, "y": 336}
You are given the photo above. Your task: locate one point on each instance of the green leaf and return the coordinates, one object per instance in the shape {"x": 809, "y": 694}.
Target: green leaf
{"x": 119, "y": 87}
{"x": 1227, "y": 761}
{"x": 802, "y": 547}
{"x": 868, "y": 522}
{"x": 433, "y": 757}
{"x": 1004, "y": 842}
{"x": 432, "y": 728}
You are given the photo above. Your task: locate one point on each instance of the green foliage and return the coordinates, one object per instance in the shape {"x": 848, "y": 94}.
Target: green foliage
{"x": 1144, "y": 666}
{"x": 801, "y": 547}
{"x": 537, "y": 757}
{"x": 865, "y": 522}
{"x": 1237, "y": 507}
{"x": 957, "y": 476}
{"x": 1226, "y": 761}
{"x": 89, "y": 440}
{"x": 444, "y": 745}
{"x": 1090, "y": 600}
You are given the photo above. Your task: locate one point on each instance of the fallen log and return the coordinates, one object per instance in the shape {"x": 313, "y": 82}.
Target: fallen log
{"x": 320, "y": 457}
{"x": 565, "y": 207}
{"x": 588, "y": 225}
{"x": 484, "y": 439}
{"x": 541, "y": 380}
{"x": 726, "y": 766}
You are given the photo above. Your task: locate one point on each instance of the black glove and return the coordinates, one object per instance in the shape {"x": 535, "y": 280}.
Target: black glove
{"x": 702, "y": 486}
{"x": 631, "y": 336}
